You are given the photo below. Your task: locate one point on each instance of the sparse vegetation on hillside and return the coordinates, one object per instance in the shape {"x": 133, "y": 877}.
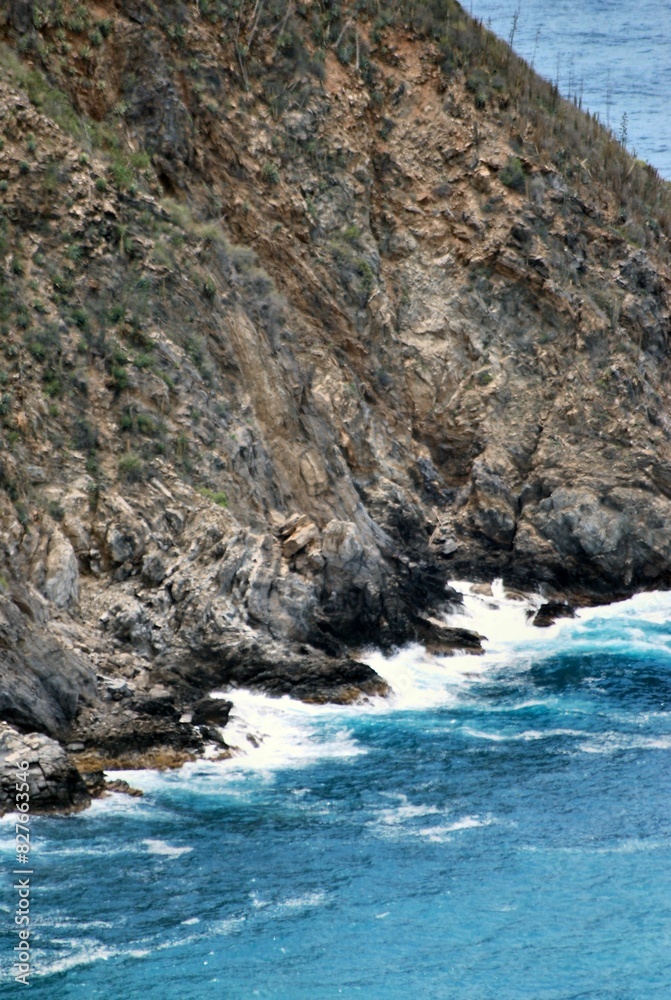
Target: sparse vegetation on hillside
{"x": 277, "y": 192}
{"x": 280, "y": 50}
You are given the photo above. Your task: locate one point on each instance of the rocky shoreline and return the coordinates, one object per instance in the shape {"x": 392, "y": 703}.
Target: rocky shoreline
{"x": 71, "y": 724}
{"x": 101, "y": 723}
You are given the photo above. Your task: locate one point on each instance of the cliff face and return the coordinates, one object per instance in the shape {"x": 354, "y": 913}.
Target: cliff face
{"x": 303, "y": 310}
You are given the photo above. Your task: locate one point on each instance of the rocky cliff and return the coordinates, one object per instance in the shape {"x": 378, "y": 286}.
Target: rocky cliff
{"x": 304, "y": 309}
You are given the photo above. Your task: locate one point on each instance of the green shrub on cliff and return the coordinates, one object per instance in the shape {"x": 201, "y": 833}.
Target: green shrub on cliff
{"x": 131, "y": 468}
{"x": 216, "y": 496}
{"x": 512, "y": 175}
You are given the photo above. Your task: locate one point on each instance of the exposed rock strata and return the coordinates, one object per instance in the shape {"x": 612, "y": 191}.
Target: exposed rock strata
{"x": 42, "y": 685}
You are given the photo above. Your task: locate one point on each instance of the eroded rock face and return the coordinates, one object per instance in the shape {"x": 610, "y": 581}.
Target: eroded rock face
{"x": 42, "y": 685}
{"x": 592, "y": 538}
{"x": 155, "y": 109}
{"x": 61, "y": 585}
{"x": 55, "y": 784}
{"x": 125, "y": 541}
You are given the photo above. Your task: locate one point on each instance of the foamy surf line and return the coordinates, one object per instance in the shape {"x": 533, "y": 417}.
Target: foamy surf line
{"x": 269, "y": 734}
{"x": 505, "y": 620}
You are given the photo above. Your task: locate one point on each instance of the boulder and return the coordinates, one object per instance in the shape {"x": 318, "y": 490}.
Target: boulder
{"x": 300, "y": 539}
{"x": 55, "y": 784}
{"x": 211, "y": 711}
{"x": 125, "y": 542}
{"x": 548, "y": 613}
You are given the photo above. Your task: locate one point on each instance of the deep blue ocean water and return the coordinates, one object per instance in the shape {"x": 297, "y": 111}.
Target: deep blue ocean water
{"x": 500, "y": 830}
{"x": 616, "y": 53}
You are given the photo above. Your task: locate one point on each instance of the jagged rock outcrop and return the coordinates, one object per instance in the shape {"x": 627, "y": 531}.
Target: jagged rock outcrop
{"x": 54, "y": 783}
{"x": 42, "y": 684}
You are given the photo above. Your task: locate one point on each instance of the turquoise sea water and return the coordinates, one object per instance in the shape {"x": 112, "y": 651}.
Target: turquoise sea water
{"x": 500, "y": 829}
{"x": 616, "y": 53}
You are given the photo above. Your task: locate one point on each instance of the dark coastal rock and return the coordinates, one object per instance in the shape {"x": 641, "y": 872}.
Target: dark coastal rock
{"x": 159, "y": 702}
{"x": 42, "y": 685}
{"x": 95, "y": 782}
{"x": 55, "y": 783}
{"x": 548, "y": 613}
{"x": 211, "y": 712}
{"x": 211, "y": 734}
{"x": 303, "y": 672}
{"x": 114, "y": 737}
{"x": 444, "y": 639}
{"x": 125, "y": 542}
{"x": 589, "y": 540}
{"x": 127, "y": 621}
{"x": 119, "y": 785}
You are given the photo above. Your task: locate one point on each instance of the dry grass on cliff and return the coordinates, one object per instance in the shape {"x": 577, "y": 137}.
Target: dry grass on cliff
{"x": 281, "y": 47}
{"x": 363, "y": 33}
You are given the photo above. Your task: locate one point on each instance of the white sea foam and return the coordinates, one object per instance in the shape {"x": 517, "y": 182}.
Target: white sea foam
{"x": 507, "y": 624}
{"x": 164, "y": 849}
{"x": 228, "y": 926}
{"x": 443, "y": 834}
{"x": 82, "y": 952}
{"x": 48, "y": 851}
{"x": 305, "y": 902}
{"x": 529, "y": 735}
{"x": 271, "y": 733}
{"x": 612, "y": 742}
{"x": 400, "y": 821}
{"x": 268, "y": 734}
{"x": 293, "y": 903}
{"x": 119, "y": 804}
{"x": 420, "y": 680}
{"x": 631, "y": 845}
{"x": 438, "y": 833}
{"x": 394, "y": 817}
{"x": 69, "y": 923}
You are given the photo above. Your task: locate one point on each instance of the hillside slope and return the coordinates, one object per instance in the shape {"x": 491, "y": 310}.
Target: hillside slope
{"x": 304, "y": 310}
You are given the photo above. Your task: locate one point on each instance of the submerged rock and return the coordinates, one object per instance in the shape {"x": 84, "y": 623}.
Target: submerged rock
{"x": 548, "y": 613}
